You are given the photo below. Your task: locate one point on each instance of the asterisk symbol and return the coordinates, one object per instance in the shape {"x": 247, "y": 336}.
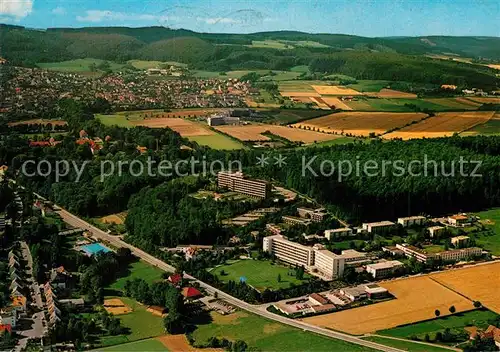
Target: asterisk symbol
{"x": 262, "y": 160}
{"x": 280, "y": 160}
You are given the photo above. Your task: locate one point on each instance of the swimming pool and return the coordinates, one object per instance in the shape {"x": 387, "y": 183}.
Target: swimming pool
{"x": 91, "y": 249}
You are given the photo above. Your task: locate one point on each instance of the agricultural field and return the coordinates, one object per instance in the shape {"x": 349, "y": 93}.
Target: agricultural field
{"x": 182, "y": 126}
{"x": 478, "y": 283}
{"x": 369, "y": 85}
{"x": 254, "y": 133}
{"x": 335, "y": 90}
{"x": 217, "y": 141}
{"x": 271, "y": 44}
{"x": 360, "y": 123}
{"x": 416, "y": 299}
{"x": 137, "y": 270}
{"x": 287, "y": 116}
{"x": 485, "y": 100}
{"x": 490, "y": 127}
{"x": 38, "y": 122}
{"x": 453, "y": 103}
{"x": 153, "y": 345}
{"x": 78, "y": 65}
{"x": 478, "y": 318}
{"x": 180, "y": 343}
{"x": 117, "y": 219}
{"x": 406, "y": 345}
{"x": 466, "y": 101}
{"x": 260, "y": 274}
{"x": 298, "y": 86}
{"x": 443, "y": 124}
{"x": 265, "y": 335}
{"x": 395, "y": 94}
{"x": 335, "y": 103}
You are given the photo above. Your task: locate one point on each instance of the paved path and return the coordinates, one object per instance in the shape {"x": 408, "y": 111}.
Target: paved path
{"x": 118, "y": 242}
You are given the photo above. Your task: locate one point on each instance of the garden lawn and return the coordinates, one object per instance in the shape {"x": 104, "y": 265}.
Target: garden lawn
{"x": 405, "y": 345}
{"x": 143, "y": 345}
{"x": 491, "y": 220}
{"x": 260, "y": 274}
{"x": 138, "y": 270}
{"x": 141, "y": 323}
{"x": 266, "y": 335}
{"x": 477, "y": 318}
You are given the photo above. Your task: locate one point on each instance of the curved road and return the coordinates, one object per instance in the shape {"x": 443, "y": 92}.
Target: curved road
{"x": 118, "y": 242}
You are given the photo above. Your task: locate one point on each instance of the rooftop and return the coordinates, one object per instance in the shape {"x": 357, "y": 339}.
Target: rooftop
{"x": 385, "y": 265}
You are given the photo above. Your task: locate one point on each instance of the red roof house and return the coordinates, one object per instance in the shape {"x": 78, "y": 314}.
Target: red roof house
{"x": 175, "y": 278}
{"x": 190, "y": 292}
{"x": 6, "y": 327}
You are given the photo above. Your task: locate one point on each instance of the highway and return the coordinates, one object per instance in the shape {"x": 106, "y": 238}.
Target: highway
{"x": 118, "y": 242}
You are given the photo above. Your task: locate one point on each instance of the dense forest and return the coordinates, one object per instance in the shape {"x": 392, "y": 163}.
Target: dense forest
{"x": 359, "y": 57}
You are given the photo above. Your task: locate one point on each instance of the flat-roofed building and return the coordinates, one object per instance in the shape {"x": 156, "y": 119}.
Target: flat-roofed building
{"x": 354, "y": 258}
{"x": 375, "y": 291}
{"x": 274, "y": 229}
{"x": 460, "y": 241}
{"x": 458, "y": 220}
{"x": 328, "y": 263}
{"x": 373, "y": 227}
{"x": 383, "y": 269}
{"x": 288, "y": 251}
{"x": 337, "y": 233}
{"x": 460, "y": 254}
{"x": 436, "y": 231}
{"x": 317, "y": 299}
{"x": 316, "y": 215}
{"x": 412, "y": 220}
{"x": 236, "y": 181}
{"x": 287, "y": 219}
{"x": 355, "y": 293}
{"x": 417, "y": 253}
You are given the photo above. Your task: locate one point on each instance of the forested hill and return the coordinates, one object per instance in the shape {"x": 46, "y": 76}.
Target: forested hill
{"x": 360, "y": 57}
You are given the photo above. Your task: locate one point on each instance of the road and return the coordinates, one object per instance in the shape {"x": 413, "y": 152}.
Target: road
{"x": 118, "y": 242}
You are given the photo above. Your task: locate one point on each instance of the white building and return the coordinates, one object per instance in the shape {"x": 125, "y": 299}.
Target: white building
{"x": 336, "y": 233}
{"x": 459, "y": 241}
{"x": 412, "y": 220}
{"x": 435, "y": 231}
{"x": 378, "y": 226}
{"x": 460, "y": 254}
{"x": 458, "y": 220}
{"x": 383, "y": 269}
{"x": 354, "y": 258}
{"x": 328, "y": 264}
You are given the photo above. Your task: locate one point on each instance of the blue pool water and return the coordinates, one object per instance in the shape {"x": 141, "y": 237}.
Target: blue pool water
{"x": 94, "y": 248}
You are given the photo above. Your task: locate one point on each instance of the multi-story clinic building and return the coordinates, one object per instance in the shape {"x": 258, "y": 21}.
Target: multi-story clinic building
{"x": 236, "y": 181}
{"x": 329, "y": 264}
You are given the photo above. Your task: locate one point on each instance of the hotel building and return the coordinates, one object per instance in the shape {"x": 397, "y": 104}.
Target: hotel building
{"x": 412, "y": 220}
{"x": 236, "y": 181}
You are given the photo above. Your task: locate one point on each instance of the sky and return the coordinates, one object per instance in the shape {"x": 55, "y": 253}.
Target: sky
{"x": 371, "y": 18}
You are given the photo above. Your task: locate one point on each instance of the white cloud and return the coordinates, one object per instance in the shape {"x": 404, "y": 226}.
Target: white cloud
{"x": 102, "y": 16}
{"x": 16, "y": 8}
{"x": 216, "y": 20}
{"x": 59, "y": 11}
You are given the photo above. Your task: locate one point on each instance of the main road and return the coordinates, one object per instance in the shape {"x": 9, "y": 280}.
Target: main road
{"x": 118, "y": 242}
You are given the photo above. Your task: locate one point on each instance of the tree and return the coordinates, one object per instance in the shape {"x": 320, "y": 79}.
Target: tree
{"x": 477, "y": 304}
{"x": 427, "y": 338}
{"x": 437, "y": 313}
{"x": 279, "y": 277}
{"x": 174, "y": 322}
{"x": 452, "y": 309}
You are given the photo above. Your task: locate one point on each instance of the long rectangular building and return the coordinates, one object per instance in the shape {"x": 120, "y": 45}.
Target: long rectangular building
{"x": 236, "y": 181}
{"x": 328, "y": 264}
{"x": 447, "y": 256}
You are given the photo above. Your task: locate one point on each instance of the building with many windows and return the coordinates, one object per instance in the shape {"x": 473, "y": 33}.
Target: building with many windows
{"x": 447, "y": 256}
{"x": 316, "y": 215}
{"x": 383, "y": 269}
{"x": 314, "y": 259}
{"x": 236, "y": 181}
{"x": 412, "y": 220}
{"x": 373, "y": 227}
{"x": 337, "y": 233}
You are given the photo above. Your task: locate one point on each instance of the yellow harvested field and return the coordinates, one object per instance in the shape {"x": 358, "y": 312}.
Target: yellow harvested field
{"x": 320, "y": 103}
{"x": 335, "y": 90}
{"x": 390, "y": 93}
{"x": 336, "y": 103}
{"x": 184, "y": 127}
{"x": 254, "y": 133}
{"x": 179, "y": 343}
{"x": 485, "y": 100}
{"x": 360, "y": 123}
{"x": 416, "y": 299}
{"x": 478, "y": 283}
{"x": 117, "y": 219}
{"x": 467, "y": 102}
{"x": 300, "y": 94}
{"x": 494, "y": 66}
{"x": 115, "y": 306}
{"x": 444, "y": 124}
